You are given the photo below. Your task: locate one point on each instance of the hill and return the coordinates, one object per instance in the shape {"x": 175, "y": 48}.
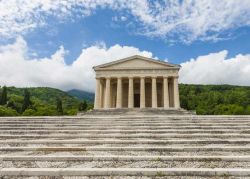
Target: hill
{"x": 82, "y": 95}
{"x": 43, "y": 100}
{"x": 215, "y": 99}
{"x": 205, "y": 99}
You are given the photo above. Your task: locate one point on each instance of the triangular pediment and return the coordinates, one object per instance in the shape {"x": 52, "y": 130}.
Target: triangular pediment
{"x": 136, "y": 62}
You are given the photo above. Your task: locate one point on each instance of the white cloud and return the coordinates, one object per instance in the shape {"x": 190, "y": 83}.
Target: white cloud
{"x": 171, "y": 20}
{"x": 216, "y": 68}
{"x": 17, "y": 69}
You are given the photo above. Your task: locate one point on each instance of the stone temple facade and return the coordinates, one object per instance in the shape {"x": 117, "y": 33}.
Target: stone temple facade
{"x": 137, "y": 82}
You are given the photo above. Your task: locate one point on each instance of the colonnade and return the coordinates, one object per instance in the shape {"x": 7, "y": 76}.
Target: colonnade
{"x": 105, "y": 101}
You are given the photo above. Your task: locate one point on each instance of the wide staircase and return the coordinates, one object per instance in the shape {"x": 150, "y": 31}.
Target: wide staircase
{"x": 123, "y": 146}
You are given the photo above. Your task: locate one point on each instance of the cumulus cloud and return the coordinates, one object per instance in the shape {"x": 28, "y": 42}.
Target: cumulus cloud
{"x": 170, "y": 20}
{"x": 216, "y": 68}
{"x": 17, "y": 69}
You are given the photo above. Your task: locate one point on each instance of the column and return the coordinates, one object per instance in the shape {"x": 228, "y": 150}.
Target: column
{"x": 97, "y": 94}
{"x": 119, "y": 93}
{"x": 154, "y": 93}
{"x": 131, "y": 93}
{"x": 101, "y": 94}
{"x": 176, "y": 93}
{"x": 165, "y": 92}
{"x": 142, "y": 93}
{"x": 107, "y": 94}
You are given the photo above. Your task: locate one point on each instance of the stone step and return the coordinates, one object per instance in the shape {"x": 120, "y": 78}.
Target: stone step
{"x": 125, "y": 142}
{"x": 153, "y": 172}
{"x": 156, "y": 119}
{"x": 245, "y": 158}
{"x": 168, "y": 131}
{"x": 166, "y": 149}
{"x": 128, "y": 127}
{"x": 129, "y": 152}
{"x": 122, "y": 129}
{"x": 129, "y": 136}
{"x": 129, "y": 118}
{"x": 155, "y": 163}
{"x": 125, "y": 124}
{"x": 128, "y": 124}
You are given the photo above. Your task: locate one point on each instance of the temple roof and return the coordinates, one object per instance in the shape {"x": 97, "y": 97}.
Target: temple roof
{"x": 136, "y": 62}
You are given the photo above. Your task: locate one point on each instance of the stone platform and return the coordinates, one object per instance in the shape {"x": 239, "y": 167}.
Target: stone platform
{"x": 139, "y": 111}
{"x": 122, "y": 146}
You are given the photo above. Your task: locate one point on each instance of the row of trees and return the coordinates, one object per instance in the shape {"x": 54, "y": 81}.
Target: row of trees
{"x": 13, "y": 105}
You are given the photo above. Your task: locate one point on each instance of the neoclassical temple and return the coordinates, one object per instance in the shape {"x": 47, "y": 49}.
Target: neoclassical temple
{"x": 137, "y": 82}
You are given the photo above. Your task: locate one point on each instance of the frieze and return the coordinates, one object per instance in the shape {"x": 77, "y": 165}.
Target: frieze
{"x": 134, "y": 73}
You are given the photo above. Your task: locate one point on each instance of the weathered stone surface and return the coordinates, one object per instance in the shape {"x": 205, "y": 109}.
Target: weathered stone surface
{"x": 125, "y": 145}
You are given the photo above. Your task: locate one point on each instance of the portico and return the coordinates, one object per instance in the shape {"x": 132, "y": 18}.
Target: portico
{"x": 137, "y": 82}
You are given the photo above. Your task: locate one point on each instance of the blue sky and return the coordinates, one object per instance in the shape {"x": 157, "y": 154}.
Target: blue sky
{"x": 101, "y": 27}
{"x": 72, "y": 35}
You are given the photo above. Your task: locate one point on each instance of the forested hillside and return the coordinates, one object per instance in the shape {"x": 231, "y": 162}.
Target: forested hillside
{"x": 205, "y": 99}
{"x": 82, "y": 95}
{"x": 40, "y": 101}
{"x": 215, "y": 99}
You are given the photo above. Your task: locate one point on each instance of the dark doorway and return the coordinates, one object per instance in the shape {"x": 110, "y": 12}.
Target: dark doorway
{"x": 136, "y": 100}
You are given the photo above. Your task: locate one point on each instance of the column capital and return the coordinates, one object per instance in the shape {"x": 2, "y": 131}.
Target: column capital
{"x": 108, "y": 77}
{"x": 153, "y": 77}
{"x": 130, "y": 77}
{"x": 165, "y": 77}
{"x": 119, "y": 77}
{"x": 142, "y": 77}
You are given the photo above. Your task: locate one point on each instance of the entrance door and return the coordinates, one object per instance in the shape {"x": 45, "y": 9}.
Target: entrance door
{"x": 136, "y": 100}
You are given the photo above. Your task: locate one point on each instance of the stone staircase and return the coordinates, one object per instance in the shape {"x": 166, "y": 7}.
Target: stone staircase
{"x": 122, "y": 146}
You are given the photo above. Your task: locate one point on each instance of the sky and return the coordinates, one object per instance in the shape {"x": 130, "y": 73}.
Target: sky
{"x": 55, "y": 43}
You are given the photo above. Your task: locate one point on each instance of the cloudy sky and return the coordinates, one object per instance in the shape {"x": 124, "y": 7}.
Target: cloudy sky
{"x": 55, "y": 43}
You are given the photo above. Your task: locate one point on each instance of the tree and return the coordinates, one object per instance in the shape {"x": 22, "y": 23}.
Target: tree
{"x": 3, "y": 99}
{"x": 4, "y": 111}
{"x": 59, "y": 106}
{"x": 83, "y": 106}
{"x": 26, "y": 101}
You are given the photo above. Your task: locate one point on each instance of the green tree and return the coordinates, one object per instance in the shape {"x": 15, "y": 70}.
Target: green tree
{"x": 4, "y": 111}
{"x": 83, "y": 106}
{"x": 59, "y": 107}
{"x": 229, "y": 109}
{"x": 29, "y": 112}
{"x": 26, "y": 101}
{"x": 3, "y": 99}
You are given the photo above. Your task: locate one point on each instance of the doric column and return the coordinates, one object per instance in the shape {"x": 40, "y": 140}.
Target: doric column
{"x": 119, "y": 93}
{"x": 97, "y": 94}
{"x": 142, "y": 93}
{"x": 107, "y": 94}
{"x": 176, "y": 93}
{"x": 154, "y": 93}
{"x": 131, "y": 93}
{"x": 101, "y": 94}
{"x": 165, "y": 92}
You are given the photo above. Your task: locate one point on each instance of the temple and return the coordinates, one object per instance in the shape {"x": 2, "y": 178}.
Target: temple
{"x": 137, "y": 82}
